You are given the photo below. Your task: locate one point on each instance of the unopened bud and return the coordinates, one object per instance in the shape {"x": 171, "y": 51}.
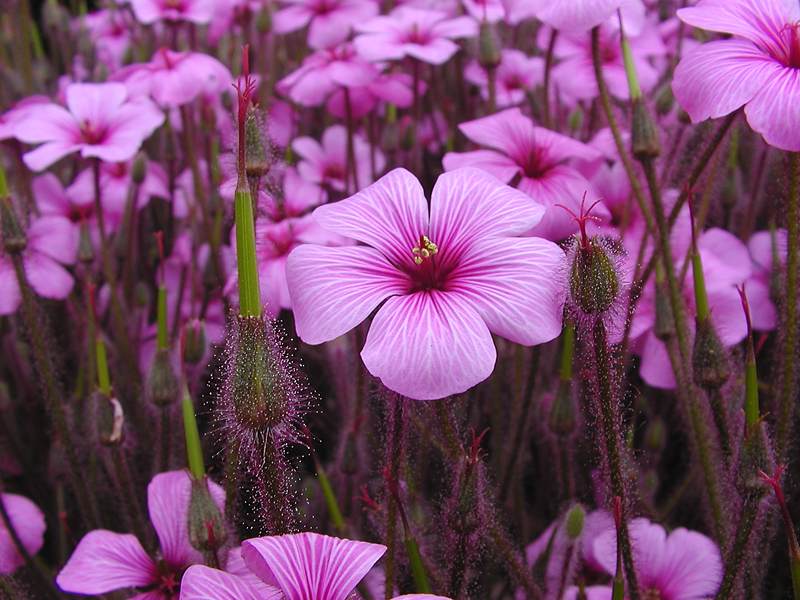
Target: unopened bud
{"x": 207, "y": 531}
{"x": 594, "y": 285}
{"x": 644, "y": 135}
{"x": 256, "y": 157}
{"x": 709, "y": 358}
{"x": 109, "y": 419}
{"x": 464, "y": 518}
{"x": 575, "y": 521}
{"x": 258, "y": 399}
{"x": 194, "y": 341}
{"x": 488, "y": 46}
{"x": 162, "y": 382}
{"x": 139, "y": 170}
{"x": 665, "y": 101}
{"x": 85, "y": 249}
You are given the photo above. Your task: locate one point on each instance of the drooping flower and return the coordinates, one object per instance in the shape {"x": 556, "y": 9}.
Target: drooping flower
{"x": 100, "y": 121}
{"x": 756, "y": 68}
{"x": 681, "y": 565}
{"x": 516, "y": 75}
{"x": 426, "y": 35}
{"x": 105, "y": 561}
{"x": 29, "y": 525}
{"x": 52, "y": 241}
{"x": 442, "y": 280}
{"x": 301, "y": 566}
{"x": 539, "y": 157}
{"x": 325, "y": 164}
{"x": 329, "y": 21}
{"x": 193, "y": 11}
{"x": 173, "y": 79}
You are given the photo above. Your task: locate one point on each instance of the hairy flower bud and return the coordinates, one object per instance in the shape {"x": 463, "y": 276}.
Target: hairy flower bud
{"x": 207, "y": 532}
{"x": 665, "y": 101}
{"x": 139, "y": 170}
{"x": 488, "y": 46}
{"x": 709, "y": 358}
{"x": 644, "y": 135}
{"x": 109, "y": 419}
{"x": 257, "y": 163}
{"x": 162, "y": 382}
{"x": 594, "y": 283}
{"x": 573, "y": 523}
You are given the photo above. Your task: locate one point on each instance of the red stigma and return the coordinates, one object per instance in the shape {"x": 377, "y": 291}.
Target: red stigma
{"x": 475, "y": 446}
{"x": 582, "y": 218}
{"x": 745, "y": 308}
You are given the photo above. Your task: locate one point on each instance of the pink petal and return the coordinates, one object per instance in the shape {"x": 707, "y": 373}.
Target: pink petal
{"x": 310, "y": 565}
{"x": 28, "y": 523}
{"x": 593, "y": 592}
{"x": 691, "y": 566}
{"x": 47, "y": 154}
{"x": 95, "y": 103}
{"x": 51, "y": 198}
{"x": 204, "y": 583}
{"x": 490, "y": 161}
{"x": 508, "y": 131}
{"x": 649, "y": 547}
{"x": 9, "y": 287}
{"x": 516, "y": 285}
{"x": 760, "y": 246}
{"x": 56, "y": 237}
{"x": 168, "y": 504}
{"x": 48, "y": 278}
{"x": 436, "y": 52}
{"x": 378, "y": 47}
{"x": 390, "y": 215}
{"x": 715, "y": 79}
{"x": 420, "y": 597}
{"x": 727, "y": 314}
{"x": 235, "y": 566}
{"x": 773, "y": 111}
{"x": 763, "y": 313}
{"x": 469, "y": 204}
{"x": 655, "y": 367}
{"x": 429, "y": 345}
{"x": 725, "y": 257}
{"x": 128, "y": 128}
{"x": 576, "y": 15}
{"x": 105, "y": 561}
{"x": 46, "y": 123}
{"x": 334, "y": 289}
{"x": 290, "y": 19}
{"x": 755, "y": 21}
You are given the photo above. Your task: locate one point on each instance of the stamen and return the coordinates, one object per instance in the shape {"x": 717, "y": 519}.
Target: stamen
{"x": 426, "y": 249}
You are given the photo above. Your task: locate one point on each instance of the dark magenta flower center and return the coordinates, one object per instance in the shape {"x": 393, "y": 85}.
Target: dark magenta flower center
{"x": 534, "y": 164}
{"x": 92, "y": 134}
{"x": 323, "y": 7}
{"x": 787, "y": 48}
{"x": 426, "y": 269}
{"x": 418, "y": 36}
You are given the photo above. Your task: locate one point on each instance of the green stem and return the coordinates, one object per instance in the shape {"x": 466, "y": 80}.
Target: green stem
{"x": 249, "y": 291}
{"x": 161, "y": 318}
{"x": 194, "y": 450}
{"x": 330, "y": 499}
{"x": 733, "y": 566}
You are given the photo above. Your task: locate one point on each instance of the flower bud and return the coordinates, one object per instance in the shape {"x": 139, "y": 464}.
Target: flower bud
{"x": 109, "y": 419}
{"x": 85, "y": 249}
{"x": 594, "y": 284}
{"x": 464, "y": 518}
{"x": 194, "y": 341}
{"x": 258, "y": 400}
{"x": 207, "y": 532}
{"x": 488, "y": 46}
{"x": 573, "y": 524}
{"x": 162, "y": 382}
{"x": 709, "y": 358}
{"x": 139, "y": 170}
{"x": 665, "y": 101}
{"x": 644, "y": 135}
{"x": 256, "y": 156}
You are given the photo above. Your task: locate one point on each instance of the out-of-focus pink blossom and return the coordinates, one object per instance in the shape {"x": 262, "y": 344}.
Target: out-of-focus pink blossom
{"x": 10, "y": 119}
{"x": 329, "y": 21}
{"x": 516, "y": 75}
{"x": 490, "y": 11}
{"x": 153, "y": 11}
{"x": 768, "y": 255}
{"x": 100, "y": 121}
{"x": 539, "y": 157}
{"x": 29, "y": 525}
{"x": 325, "y": 164}
{"x": 105, "y": 561}
{"x": 442, "y": 280}
{"x": 570, "y": 15}
{"x": 110, "y": 30}
{"x": 426, "y": 35}
{"x": 756, "y": 68}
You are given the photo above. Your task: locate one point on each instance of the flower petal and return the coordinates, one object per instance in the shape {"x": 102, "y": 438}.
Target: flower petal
{"x": 390, "y": 215}
{"x": 310, "y": 565}
{"x": 774, "y": 113}
{"x": 715, "y": 79}
{"x": 516, "y": 285}
{"x": 48, "y": 278}
{"x": 334, "y": 289}
{"x": 28, "y": 523}
{"x": 755, "y": 21}
{"x": 204, "y": 583}
{"x": 429, "y": 345}
{"x": 490, "y": 161}
{"x": 105, "y": 561}
{"x": 691, "y": 566}
{"x": 10, "y": 296}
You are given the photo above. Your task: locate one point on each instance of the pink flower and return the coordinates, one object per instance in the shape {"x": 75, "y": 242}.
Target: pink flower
{"x": 574, "y": 75}
{"x": 173, "y": 79}
{"x": 490, "y": 11}
{"x": 10, "y": 119}
{"x": 681, "y": 565}
{"x": 99, "y": 121}
{"x": 393, "y": 88}
{"x": 516, "y": 75}
{"x": 326, "y": 71}
{"x": 330, "y": 21}
{"x": 52, "y": 242}
{"x": 756, "y": 68}
{"x": 425, "y": 35}
{"x": 568, "y": 15}
{"x": 194, "y": 11}
{"x": 539, "y": 157}
{"x": 326, "y": 164}
{"x": 110, "y": 30}
{"x": 300, "y": 566}
{"x": 28, "y": 523}
{"x": 105, "y": 561}
{"x": 442, "y": 280}
{"x": 297, "y": 197}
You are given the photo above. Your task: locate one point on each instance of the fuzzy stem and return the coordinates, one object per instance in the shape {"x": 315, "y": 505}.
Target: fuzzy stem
{"x": 733, "y": 566}
{"x": 788, "y": 394}
{"x": 548, "y": 68}
{"x": 609, "y": 419}
{"x": 129, "y": 496}
{"x": 249, "y": 291}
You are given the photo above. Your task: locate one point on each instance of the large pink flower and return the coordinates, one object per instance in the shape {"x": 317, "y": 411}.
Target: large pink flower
{"x": 329, "y": 21}
{"x": 99, "y": 121}
{"x": 28, "y": 523}
{"x": 756, "y": 68}
{"x": 442, "y": 280}
{"x": 300, "y": 566}
{"x": 105, "y": 561}
{"x": 425, "y": 35}
{"x": 152, "y": 11}
{"x": 539, "y": 157}
{"x": 52, "y": 242}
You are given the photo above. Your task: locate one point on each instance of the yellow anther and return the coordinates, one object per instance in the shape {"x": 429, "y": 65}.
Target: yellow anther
{"x": 425, "y": 250}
